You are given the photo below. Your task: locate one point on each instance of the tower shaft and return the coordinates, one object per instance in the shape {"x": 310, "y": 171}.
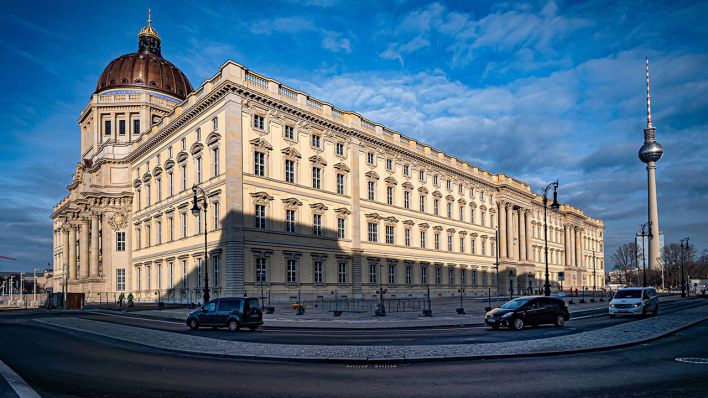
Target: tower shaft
{"x": 653, "y": 216}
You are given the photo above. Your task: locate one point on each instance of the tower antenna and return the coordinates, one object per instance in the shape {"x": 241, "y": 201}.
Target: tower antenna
{"x": 648, "y": 96}
{"x": 150, "y": 24}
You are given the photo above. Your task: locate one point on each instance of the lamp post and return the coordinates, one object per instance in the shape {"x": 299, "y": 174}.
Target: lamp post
{"x": 644, "y": 234}
{"x": 594, "y": 278}
{"x": 496, "y": 262}
{"x": 195, "y": 213}
{"x": 554, "y": 206}
{"x": 684, "y": 247}
{"x": 381, "y": 310}
{"x": 34, "y": 285}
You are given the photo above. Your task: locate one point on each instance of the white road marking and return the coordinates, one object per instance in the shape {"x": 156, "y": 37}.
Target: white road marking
{"x": 20, "y": 386}
{"x": 137, "y": 318}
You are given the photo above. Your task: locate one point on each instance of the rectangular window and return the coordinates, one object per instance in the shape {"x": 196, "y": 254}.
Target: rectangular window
{"x": 462, "y": 213}
{"x": 438, "y": 276}
{"x": 436, "y": 207}
{"x": 136, "y": 126}
{"x": 147, "y": 236}
{"x": 317, "y": 224}
{"x": 424, "y": 275}
{"x": 316, "y": 140}
{"x": 289, "y": 171}
{"x": 171, "y": 183}
{"x": 422, "y": 239}
{"x": 158, "y": 268}
{"x": 448, "y": 184}
{"x": 407, "y": 236}
{"x": 460, "y": 189}
{"x": 183, "y": 224}
{"x": 472, "y": 215}
{"x": 370, "y": 160}
{"x": 170, "y": 229}
{"x": 184, "y": 143}
{"x": 200, "y": 275}
{"x": 372, "y": 190}
{"x": 451, "y": 276}
{"x": 389, "y": 162}
{"x": 137, "y": 238}
{"x": 437, "y": 241}
{"x": 184, "y": 274}
{"x": 316, "y": 177}
{"x": 260, "y": 217}
{"x": 406, "y": 170}
{"x": 198, "y": 167}
{"x": 389, "y": 195}
{"x": 215, "y": 162}
{"x": 372, "y": 273}
{"x": 463, "y": 277}
{"x": 422, "y": 202}
{"x": 148, "y": 200}
{"x": 261, "y": 270}
{"x": 158, "y": 188}
{"x": 484, "y": 222}
{"x": 120, "y": 241}
{"x": 391, "y": 274}
{"x": 340, "y": 184}
{"x": 158, "y": 227}
{"x": 216, "y": 220}
{"x": 121, "y": 127}
{"x": 319, "y": 276}
{"x": 259, "y": 164}
{"x": 339, "y": 149}
{"x": 342, "y": 273}
{"x": 409, "y": 275}
{"x": 462, "y": 244}
{"x": 148, "y": 274}
{"x": 120, "y": 279}
{"x": 449, "y": 210}
{"x": 215, "y": 123}
{"x": 373, "y": 232}
{"x": 474, "y": 278}
{"x": 407, "y": 199}
{"x": 449, "y": 243}
{"x": 484, "y": 248}
{"x": 290, "y": 133}
{"x": 107, "y": 127}
{"x": 289, "y": 220}
{"x": 435, "y": 180}
{"x": 183, "y": 169}
{"x": 473, "y": 243}
{"x": 291, "y": 271}
{"x": 421, "y": 175}
{"x": 139, "y": 277}
{"x": 389, "y": 234}
{"x": 171, "y": 272}
{"x": 258, "y": 122}
{"x": 215, "y": 262}
{"x": 340, "y": 228}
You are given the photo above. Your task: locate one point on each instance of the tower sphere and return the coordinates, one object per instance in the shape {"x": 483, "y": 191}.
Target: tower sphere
{"x": 650, "y": 152}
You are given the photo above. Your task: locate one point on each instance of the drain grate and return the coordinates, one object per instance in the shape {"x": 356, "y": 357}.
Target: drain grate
{"x": 357, "y": 366}
{"x": 386, "y": 365}
{"x": 697, "y": 361}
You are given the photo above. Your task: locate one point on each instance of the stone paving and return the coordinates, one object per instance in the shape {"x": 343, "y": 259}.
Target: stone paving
{"x": 614, "y": 336}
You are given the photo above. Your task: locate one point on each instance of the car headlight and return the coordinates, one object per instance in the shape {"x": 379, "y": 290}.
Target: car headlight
{"x": 507, "y": 315}
{"x": 637, "y": 305}
{"x": 612, "y": 306}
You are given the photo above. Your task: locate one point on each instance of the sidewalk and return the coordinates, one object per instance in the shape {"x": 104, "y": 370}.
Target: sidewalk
{"x": 610, "y": 337}
{"x": 444, "y": 314}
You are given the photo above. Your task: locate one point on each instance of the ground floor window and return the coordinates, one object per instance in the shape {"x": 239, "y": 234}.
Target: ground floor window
{"x": 342, "y": 273}
{"x": 120, "y": 279}
{"x": 260, "y": 270}
{"x": 291, "y": 270}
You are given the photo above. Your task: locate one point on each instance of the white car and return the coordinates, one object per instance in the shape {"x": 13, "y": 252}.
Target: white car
{"x": 634, "y": 301}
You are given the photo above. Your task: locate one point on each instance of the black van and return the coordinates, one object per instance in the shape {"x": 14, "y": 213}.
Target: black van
{"x": 233, "y": 313}
{"x": 528, "y": 311}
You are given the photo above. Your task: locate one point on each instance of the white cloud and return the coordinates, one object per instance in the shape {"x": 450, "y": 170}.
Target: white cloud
{"x": 333, "y": 41}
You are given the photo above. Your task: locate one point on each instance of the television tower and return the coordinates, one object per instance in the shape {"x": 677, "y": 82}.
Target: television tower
{"x": 650, "y": 153}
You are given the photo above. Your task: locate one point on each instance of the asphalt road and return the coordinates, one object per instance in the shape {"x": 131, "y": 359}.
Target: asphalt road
{"x": 419, "y": 336}
{"x": 56, "y": 364}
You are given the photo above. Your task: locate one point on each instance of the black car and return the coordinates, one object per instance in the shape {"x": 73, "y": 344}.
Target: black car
{"x": 233, "y": 313}
{"x": 524, "y": 311}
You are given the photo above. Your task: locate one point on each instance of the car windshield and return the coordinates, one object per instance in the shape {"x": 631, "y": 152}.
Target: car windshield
{"x": 514, "y": 304}
{"x": 628, "y": 293}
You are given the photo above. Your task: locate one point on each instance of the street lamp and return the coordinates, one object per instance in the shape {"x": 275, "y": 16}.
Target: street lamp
{"x": 195, "y": 213}
{"x": 684, "y": 247}
{"x": 554, "y": 206}
{"x": 594, "y": 278}
{"x": 645, "y": 234}
{"x": 381, "y": 310}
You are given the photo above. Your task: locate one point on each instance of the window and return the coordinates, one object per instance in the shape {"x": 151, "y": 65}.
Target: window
{"x": 373, "y": 232}
{"x": 261, "y": 269}
{"x": 438, "y": 276}
{"x": 422, "y": 239}
{"x": 449, "y": 210}
{"x": 317, "y": 265}
{"x": 317, "y": 224}
{"x": 407, "y": 236}
{"x": 370, "y": 159}
{"x": 389, "y": 163}
{"x": 184, "y": 143}
{"x": 121, "y": 127}
{"x": 316, "y": 140}
{"x": 372, "y": 273}
{"x": 407, "y": 199}
{"x": 171, "y": 183}
{"x": 120, "y": 241}
{"x": 147, "y": 236}
{"x": 460, "y": 189}
{"x": 339, "y": 149}
{"x": 120, "y": 279}
{"x": 421, "y": 175}
{"x": 215, "y": 162}
{"x": 473, "y": 243}
{"x": 463, "y": 277}
{"x": 147, "y": 195}
{"x": 158, "y": 227}
{"x": 259, "y": 164}
{"x": 158, "y": 188}
{"x": 389, "y": 195}
{"x": 372, "y": 190}
{"x": 215, "y": 123}
{"x": 424, "y": 275}
{"x": 107, "y": 127}
{"x": 216, "y": 221}
{"x": 199, "y": 134}
{"x": 139, "y": 278}
{"x": 198, "y": 223}
{"x": 171, "y": 272}
{"x": 183, "y": 224}
{"x": 183, "y": 169}
{"x": 215, "y": 262}
{"x": 340, "y": 228}
{"x": 409, "y": 275}
{"x": 391, "y": 274}
{"x": 198, "y": 167}
{"x": 435, "y": 180}
{"x": 451, "y": 276}
{"x": 472, "y": 215}
{"x": 170, "y": 228}
{"x": 462, "y": 244}
{"x": 436, "y": 207}
{"x": 260, "y": 217}
{"x": 484, "y": 217}
{"x": 291, "y": 271}
{"x": 184, "y": 274}
{"x": 159, "y": 276}
{"x": 449, "y": 243}
{"x": 289, "y": 220}
{"x": 137, "y": 237}
{"x": 340, "y": 184}
{"x": 484, "y": 247}
{"x": 390, "y": 234}
{"x": 258, "y": 122}
{"x": 290, "y": 171}
{"x": 289, "y": 133}
{"x": 448, "y": 184}
{"x": 406, "y": 170}
{"x": 148, "y": 273}
{"x": 200, "y": 270}
{"x": 136, "y": 126}
{"x": 316, "y": 177}
{"x": 342, "y": 273}
{"x": 437, "y": 241}
{"x": 422, "y": 202}
{"x": 462, "y": 213}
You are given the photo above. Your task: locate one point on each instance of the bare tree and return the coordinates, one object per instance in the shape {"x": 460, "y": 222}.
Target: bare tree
{"x": 624, "y": 259}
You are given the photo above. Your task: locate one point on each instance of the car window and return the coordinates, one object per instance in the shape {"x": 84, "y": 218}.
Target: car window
{"x": 545, "y": 303}
{"x": 628, "y": 293}
{"x": 253, "y": 303}
{"x": 210, "y": 307}
{"x": 652, "y": 292}
{"x": 514, "y": 304}
{"x": 646, "y": 294}
{"x": 229, "y": 305}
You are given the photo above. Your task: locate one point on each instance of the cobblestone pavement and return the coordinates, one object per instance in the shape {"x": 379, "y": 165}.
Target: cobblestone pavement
{"x": 614, "y": 336}
{"x": 444, "y": 314}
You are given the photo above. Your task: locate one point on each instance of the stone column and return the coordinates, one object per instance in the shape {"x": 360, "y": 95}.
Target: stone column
{"x": 578, "y": 247}
{"x": 510, "y": 231}
{"x": 529, "y": 235}
{"x": 64, "y": 250}
{"x": 502, "y": 230}
{"x": 522, "y": 235}
{"x": 71, "y": 243}
{"x": 84, "y": 261}
{"x": 94, "y": 246}
{"x": 565, "y": 246}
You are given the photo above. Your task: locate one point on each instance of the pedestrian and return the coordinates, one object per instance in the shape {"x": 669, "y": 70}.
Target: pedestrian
{"x": 130, "y": 299}
{"x": 121, "y": 297}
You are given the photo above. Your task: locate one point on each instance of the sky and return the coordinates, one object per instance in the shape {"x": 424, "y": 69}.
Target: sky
{"x": 537, "y": 90}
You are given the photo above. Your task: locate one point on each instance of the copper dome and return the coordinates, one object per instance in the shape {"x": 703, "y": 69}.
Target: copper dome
{"x": 145, "y": 69}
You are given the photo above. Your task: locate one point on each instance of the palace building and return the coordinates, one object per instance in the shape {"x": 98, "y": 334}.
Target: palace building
{"x": 302, "y": 198}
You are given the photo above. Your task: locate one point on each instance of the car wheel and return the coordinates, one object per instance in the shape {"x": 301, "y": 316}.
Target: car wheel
{"x": 517, "y": 324}
{"x": 253, "y": 328}
{"x": 612, "y": 316}
{"x": 234, "y": 326}
{"x": 495, "y": 327}
{"x": 644, "y": 311}
{"x": 193, "y": 324}
{"x": 656, "y": 310}
{"x": 559, "y": 321}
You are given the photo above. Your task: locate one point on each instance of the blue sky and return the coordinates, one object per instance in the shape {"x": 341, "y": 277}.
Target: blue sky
{"x": 537, "y": 90}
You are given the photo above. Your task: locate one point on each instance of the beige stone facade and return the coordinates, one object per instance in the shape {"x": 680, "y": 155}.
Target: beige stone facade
{"x": 302, "y": 197}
